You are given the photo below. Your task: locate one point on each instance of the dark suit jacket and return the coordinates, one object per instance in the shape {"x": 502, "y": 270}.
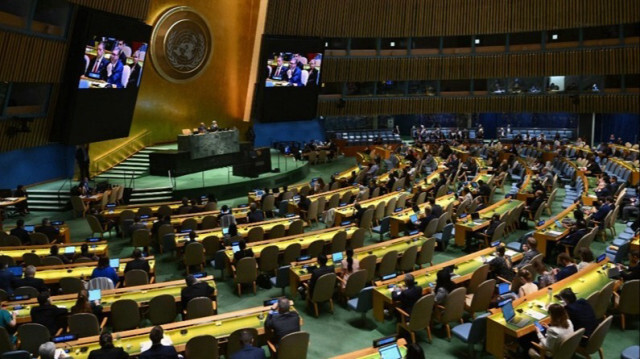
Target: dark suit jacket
{"x": 631, "y": 274}
{"x": 49, "y": 316}
{"x": 134, "y": 76}
{"x": 282, "y": 75}
{"x": 492, "y": 227}
{"x": 249, "y": 352}
{"x": 601, "y": 213}
{"x": 317, "y": 273}
{"x": 425, "y": 222}
{"x": 5, "y": 280}
{"x": 408, "y": 297}
{"x": 582, "y": 316}
{"x": 241, "y": 254}
{"x": 533, "y": 206}
{"x": 566, "y": 271}
{"x": 108, "y": 353}
{"x": 200, "y": 289}
{"x": 436, "y": 210}
{"x": 102, "y": 68}
{"x": 573, "y": 238}
{"x": 36, "y": 283}
{"x": 50, "y": 231}
{"x": 116, "y": 75}
{"x": 256, "y": 216}
{"x": 312, "y": 80}
{"x": 137, "y": 264}
{"x": 527, "y": 257}
{"x": 159, "y": 351}
{"x": 296, "y": 77}
{"x": 22, "y": 234}
{"x": 282, "y": 324}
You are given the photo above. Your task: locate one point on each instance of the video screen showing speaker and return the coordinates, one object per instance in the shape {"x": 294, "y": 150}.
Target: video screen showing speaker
{"x": 102, "y": 75}
{"x": 112, "y": 63}
{"x": 290, "y": 78}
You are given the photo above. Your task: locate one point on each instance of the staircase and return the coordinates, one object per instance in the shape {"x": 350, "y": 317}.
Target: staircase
{"x": 147, "y": 195}
{"x": 135, "y": 166}
{"x": 48, "y": 200}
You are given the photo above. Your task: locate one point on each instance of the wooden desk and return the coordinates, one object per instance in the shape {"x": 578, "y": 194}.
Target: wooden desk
{"x": 53, "y": 274}
{"x": 525, "y": 191}
{"x": 64, "y": 235}
{"x": 345, "y": 212}
{"x": 398, "y": 221}
{"x": 634, "y": 177}
{"x": 304, "y": 239}
{"x": 298, "y": 272}
{"x": 176, "y": 220}
{"x": 141, "y": 294}
{"x": 243, "y": 229}
{"x": 465, "y": 266}
{"x": 550, "y": 232}
{"x": 97, "y": 248}
{"x": 635, "y": 244}
{"x": 371, "y": 352}
{"x": 114, "y": 213}
{"x": 93, "y": 198}
{"x": 426, "y": 184}
{"x": 220, "y": 326}
{"x": 465, "y": 226}
{"x": 584, "y": 283}
{"x": 11, "y": 201}
{"x": 293, "y": 203}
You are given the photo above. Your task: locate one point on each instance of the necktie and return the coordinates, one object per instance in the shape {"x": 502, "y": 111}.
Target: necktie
{"x": 96, "y": 65}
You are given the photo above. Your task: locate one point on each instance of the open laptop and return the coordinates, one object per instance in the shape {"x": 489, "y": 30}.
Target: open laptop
{"x": 504, "y": 288}
{"x": 70, "y": 250}
{"x": 390, "y": 352}
{"x": 114, "y": 263}
{"x": 16, "y": 271}
{"x": 235, "y": 246}
{"x": 30, "y": 228}
{"x": 337, "y": 257}
{"x": 95, "y": 294}
{"x": 510, "y": 315}
{"x": 414, "y": 218}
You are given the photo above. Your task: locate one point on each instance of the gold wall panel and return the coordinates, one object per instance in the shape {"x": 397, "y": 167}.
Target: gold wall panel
{"x": 137, "y": 9}
{"x": 219, "y": 93}
{"x": 404, "y": 18}
{"x": 30, "y": 58}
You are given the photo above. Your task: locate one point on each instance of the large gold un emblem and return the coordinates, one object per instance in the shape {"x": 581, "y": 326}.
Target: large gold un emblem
{"x": 180, "y": 44}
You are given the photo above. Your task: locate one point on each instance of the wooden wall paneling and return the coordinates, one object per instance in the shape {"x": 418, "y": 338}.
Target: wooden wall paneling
{"x": 132, "y": 8}
{"x": 40, "y": 60}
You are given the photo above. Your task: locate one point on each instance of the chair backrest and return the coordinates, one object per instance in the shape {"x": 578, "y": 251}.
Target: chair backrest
{"x": 322, "y": 204}
{"x": 296, "y": 227}
{"x": 315, "y": 248}
{"x": 421, "y": 198}
{"x": 5, "y": 342}
{"x": 334, "y": 201}
{"x": 325, "y": 286}
{"x": 454, "y": 305}
{"x": 604, "y": 300}
{"x": 391, "y": 207}
{"x": 268, "y": 261}
{"x": 402, "y": 200}
{"x": 312, "y": 214}
{"x": 408, "y": 259}
{"x": 71, "y": 285}
{"x": 483, "y": 295}
{"x": 189, "y": 223}
{"x": 141, "y": 238}
{"x": 593, "y": 300}
{"x": 194, "y": 254}
{"x": 629, "y": 297}
{"x": 12, "y": 241}
{"x": 5, "y": 259}
{"x": 597, "y": 337}
{"x": 375, "y": 193}
{"x": 366, "y": 219}
{"x": 202, "y": 347}
{"x": 255, "y": 234}
{"x": 51, "y": 261}
{"x": 199, "y": 307}
{"x": 357, "y": 239}
{"x": 246, "y": 271}
{"x": 431, "y": 227}
{"x": 388, "y": 263}
{"x": 125, "y": 315}
{"x": 478, "y": 330}
{"x": 211, "y": 245}
{"x": 277, "y": 231}
{"x": 369, "y": 264}
{"x": 478, "y": 276}
{"x": 94, "y": 224}
{"x": 282, "y": 277}
{"x": 234, "y": 343}
{"x": 356, "y": 281}
{"x": 426, "y": 251}
{"x": 209, "y": 222}
{"x": 365, "y": 300}
{"x": 101, "y": 283}
{"x": 346, "y": 197}
{"x": 15, "y": 354}
{"x": 4, "y": 296}
{"x": 291, "y": 253}
{"x": 162, "y": 309}
{"x": 39, "y": 238}
{"x": 568, "y": 347}
{"x": 77, "y": 204}
{"x": 164, "y": 210}
{"x": 421, "y": 313}
{"x": 83, "y": 325}
{"x": 380, "y": 211}
{"x": 26, "y": 290}
{"x": 145, "y": 211}
{"x": 268, "y": 203}
{"x": 136, "y": 277}
{"x": 442, "y": 221}
{"x": 31, "y": 336}
{"x": 294, "y": 346}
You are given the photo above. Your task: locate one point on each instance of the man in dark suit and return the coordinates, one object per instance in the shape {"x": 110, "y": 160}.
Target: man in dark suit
{"x": 248, "y": 351}
{"x": 409, "y": 295}
{"x": 579, "y": 231}
{"x": 359, "y": 212}
{"x": 436, "y": 209}
{"x": 580, "y": 312}
{"x": 319, "y": 272}
{"x": 136, "y": 69}
{"x": 48, "y": 314}
{"x": 296, "y": 74}
{"x": 255, "y": 215}
{"x": 534, "y": 205}
{"x": 529, "y": 250}
{"x": 138, "y": 262}
{"x": 6, "y": 278}
{"x": 194, "y": 289}
{"x": 29, "y": 280}
{"x": 158, "y": 350}
{"x": 314, "y": 75}
{"x": 428, "y": 217}
{"x": 82, "y": 159}
{"x": 282, "y": 322}
{"x": 21, "y": 233}
{"x": 279, "y": 72}
{"x": 483, "y": 189}
{"x": 115, "y": 79}
{"x": 107, "y": 350}
{"x": 98, "y": 66}
{"x": 50, "y": 231}
{"x": 602, "y": 211}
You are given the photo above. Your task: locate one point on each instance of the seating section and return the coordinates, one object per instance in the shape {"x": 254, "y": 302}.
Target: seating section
{"x": 368, "y": 137}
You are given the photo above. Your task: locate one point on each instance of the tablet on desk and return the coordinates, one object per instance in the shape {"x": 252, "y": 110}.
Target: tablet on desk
{"x": 337, "y": 257}
{"x": 390, "y": 352}
{"x": 414, "y": 218}
{"x": 114, "y": 263}
{"x": 235, "y": 246}
{"x": 504, "y": 288}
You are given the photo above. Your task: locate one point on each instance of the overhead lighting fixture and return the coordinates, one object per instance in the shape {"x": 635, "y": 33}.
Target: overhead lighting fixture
{"x": 554, "y": 37}
{"x": 477, "y": 41}
{"x": 326, "y": 44}
{"x": 392, "y": 44}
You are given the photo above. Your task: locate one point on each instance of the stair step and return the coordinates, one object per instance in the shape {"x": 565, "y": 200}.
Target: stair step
{"x": 33, "y": 208}
{"x": 158, "y": 193}
{"x": 142, "y": 161}
{"x": 128, "y": 168}
{"x": 42, "y": 201}
{"x": 49, "y": 196}
{"x": 152, "y": 189}
{"x": 151, "y": 199}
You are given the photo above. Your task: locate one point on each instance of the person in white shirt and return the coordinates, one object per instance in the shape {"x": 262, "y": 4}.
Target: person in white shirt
{"x": 559, "y": 329}
{"x": 527, "y": 287}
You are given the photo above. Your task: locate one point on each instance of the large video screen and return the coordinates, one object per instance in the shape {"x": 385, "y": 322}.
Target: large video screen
{"x": 110, "y": 62}
{"x": 102, "y": 76}
{"x": 290, "y": 78}
{"x": 293, "y": 69}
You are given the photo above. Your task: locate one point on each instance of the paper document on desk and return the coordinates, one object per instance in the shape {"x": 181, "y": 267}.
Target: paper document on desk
{"x": 510, "y": 253}
{"x": 535, "y": 314}
{"x": 555, "y": 233}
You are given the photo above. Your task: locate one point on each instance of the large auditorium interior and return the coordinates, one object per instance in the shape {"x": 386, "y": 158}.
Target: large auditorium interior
{"x": 291, "y": 179}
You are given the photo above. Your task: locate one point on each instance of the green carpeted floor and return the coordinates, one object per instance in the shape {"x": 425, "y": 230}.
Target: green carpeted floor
{"x": 333, "y": 334}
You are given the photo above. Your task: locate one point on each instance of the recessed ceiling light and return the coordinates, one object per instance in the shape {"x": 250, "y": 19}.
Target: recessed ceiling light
{"x": 554, "y": 37}
{"x": 477, "y": 41}
{"x": 326, "y": 44}
{"x": 392, "y": 44}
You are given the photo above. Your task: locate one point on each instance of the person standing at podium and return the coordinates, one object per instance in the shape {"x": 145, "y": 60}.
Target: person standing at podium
{"x": 214, "y": 126}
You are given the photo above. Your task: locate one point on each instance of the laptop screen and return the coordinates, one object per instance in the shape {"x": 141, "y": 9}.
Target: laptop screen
{"x": 114, "y": 263}
{"x": 390, "y": 352}
{"x": 337, "y": 257}
{"x": 389, "y": 276}
{"x": 235, "y": 246}
{"x": 601, "y": 258}
{"x": 507, "y": 310}
{"x": 70, "y": 250}
{"x": 384, "y": 341}
{"x": 225, "y": 230}
{"x": 95, "y": 294}
{"x": 57, "y": 223}
{"x": 16, "y": 271}
{"x": 503, "y": 288}
{"x": 414, "y": 218}
{"x": 30, "y": 228}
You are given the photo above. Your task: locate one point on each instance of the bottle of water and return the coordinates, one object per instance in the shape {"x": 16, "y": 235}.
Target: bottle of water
{"x": 549, "y": 295}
